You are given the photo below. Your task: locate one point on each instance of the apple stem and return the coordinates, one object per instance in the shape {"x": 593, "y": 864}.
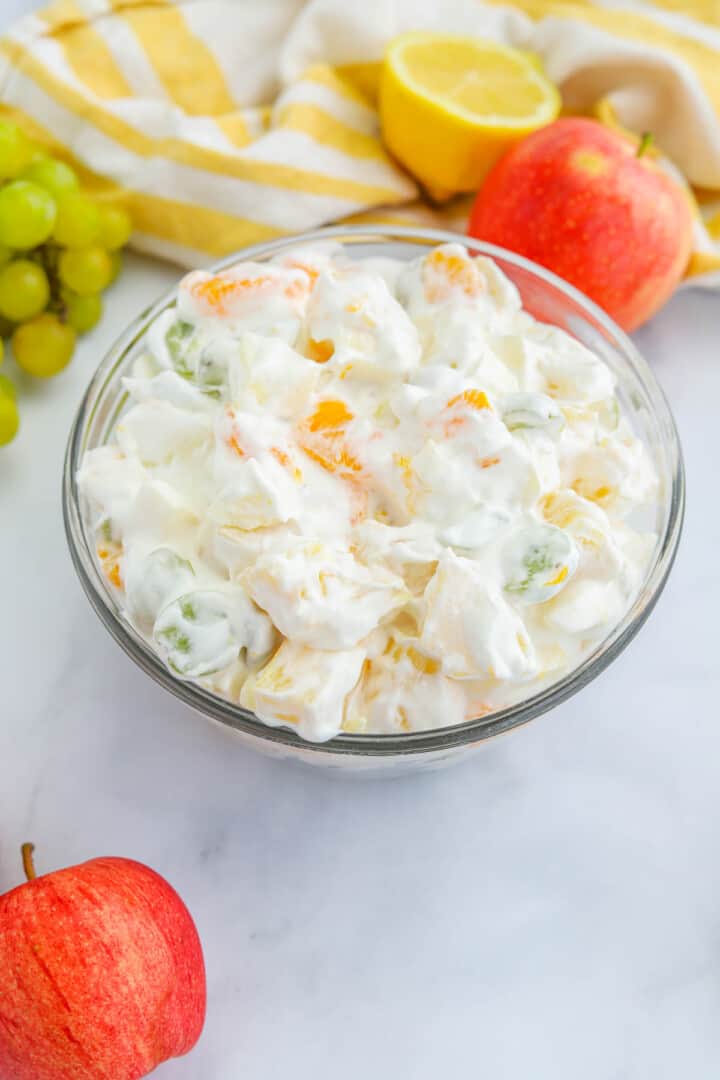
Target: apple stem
{"x": 646, "y": 140}
{"x": 28, "y": 864}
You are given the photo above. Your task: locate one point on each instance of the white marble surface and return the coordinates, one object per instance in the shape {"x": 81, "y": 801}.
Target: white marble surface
{"x": 548, "y": 910}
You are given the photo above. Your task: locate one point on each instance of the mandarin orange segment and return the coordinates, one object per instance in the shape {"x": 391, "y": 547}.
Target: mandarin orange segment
{"x": 472, "y": 399}
{"x": 343, "y": 461}
{"x": 286, "y": 461}
{"x": 325, "y": 461}
{"x": 321, "y": 436}
{"x": 327, "y": 424}
{"x": 347, "y": 462}
{"x": 329, "y": 414}
{"x": 280, "y": 456}
{"x": 333, "y": 460}
{"x": 312, "y": 272}
{"x": 476, "y": 399}
{"x": 319, "y": 351}
{"x": 451, "y": 272}
{"x": 298, "y": 289}
{"x": 109, "y": 557}
{"x": 214, "y": 292}
{"x": 113, "y": 574}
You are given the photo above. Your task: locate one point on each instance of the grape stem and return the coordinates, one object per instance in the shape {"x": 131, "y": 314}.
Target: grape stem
{"x": 27, "y": 860}
{"x": 49, "y": 259}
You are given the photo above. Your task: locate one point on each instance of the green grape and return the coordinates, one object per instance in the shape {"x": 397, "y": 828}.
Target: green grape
{"x": 85, "y": 270}
{"x": 27, "y": 215}
{"x": 115, "y": 228}
{"x": 117, "y": 265}
{"x": 178, "y": 339}
{"x": 37, "y": 153}
{"x": 540, "y": 560}
{"x": 9, "y": 419}
{"x": 24, "y": 290}
{"x": 78, "y": 221}
{"x": 534, "y": 412}
{"x": 82, "y": 312}
{"x": 5, "y": 255}
{"x": 43, "y": 346}
{"x": 54, "y": 176}
{"x": 15, "y": 150}
{"x": 7, "y": 387}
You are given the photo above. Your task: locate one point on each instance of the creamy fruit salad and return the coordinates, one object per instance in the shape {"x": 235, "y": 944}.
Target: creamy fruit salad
{"x": 368, "y": 495}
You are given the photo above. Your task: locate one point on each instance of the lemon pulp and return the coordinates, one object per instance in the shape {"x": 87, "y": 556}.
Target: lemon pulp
{"x": 450, "y": 106}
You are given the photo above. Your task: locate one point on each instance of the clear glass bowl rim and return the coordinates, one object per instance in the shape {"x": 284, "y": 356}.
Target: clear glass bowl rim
{"x": 437, "y": 739}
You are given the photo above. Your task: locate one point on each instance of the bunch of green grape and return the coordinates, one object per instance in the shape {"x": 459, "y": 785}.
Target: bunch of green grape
{"x": 59, "y": 249}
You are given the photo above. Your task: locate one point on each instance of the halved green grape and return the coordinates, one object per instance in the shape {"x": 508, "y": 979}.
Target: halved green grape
{"x": 153, "y": 581}
{"x": 178, "y": 339}
{"x": 9, "y": 419}
{"x": 115, "y": 228}
{"x": 24, "y": 290}
{"x": 523, "y": 411}
{"x": 195, "y": 359}
{"x": 78, "y": 221}
{"x": 82, "y": 312}
{"x": 43, "y": 346}
{"x": 539, "y": 560}
{"x": 15, "y": 150}
{"x": 205, "y": 630}
{"x": 27, "y": 215}
{"x": 54, "y": 176}
{"x": 85, "y": 270}
{"x": 7, "y": 387}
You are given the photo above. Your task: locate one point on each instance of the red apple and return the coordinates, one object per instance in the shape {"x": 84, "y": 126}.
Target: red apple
{"x": 101, "y": 974}
{"x": 585, "y": 202}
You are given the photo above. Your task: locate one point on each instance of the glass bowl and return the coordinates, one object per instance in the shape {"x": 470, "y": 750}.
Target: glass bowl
{"x": 549, "y": 299}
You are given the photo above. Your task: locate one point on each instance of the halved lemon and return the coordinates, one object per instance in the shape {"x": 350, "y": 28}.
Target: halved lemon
{"x": 450, "y": 106}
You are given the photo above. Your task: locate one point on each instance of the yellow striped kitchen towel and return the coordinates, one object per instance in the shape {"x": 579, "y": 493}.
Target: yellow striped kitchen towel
{"x": 226, "y": 122}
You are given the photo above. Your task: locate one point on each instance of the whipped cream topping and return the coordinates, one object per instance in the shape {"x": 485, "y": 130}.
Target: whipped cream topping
{"x": 369, "y": 496}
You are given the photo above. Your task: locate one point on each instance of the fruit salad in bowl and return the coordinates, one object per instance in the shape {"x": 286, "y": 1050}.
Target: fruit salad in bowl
{"x": 347, "y": 495}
